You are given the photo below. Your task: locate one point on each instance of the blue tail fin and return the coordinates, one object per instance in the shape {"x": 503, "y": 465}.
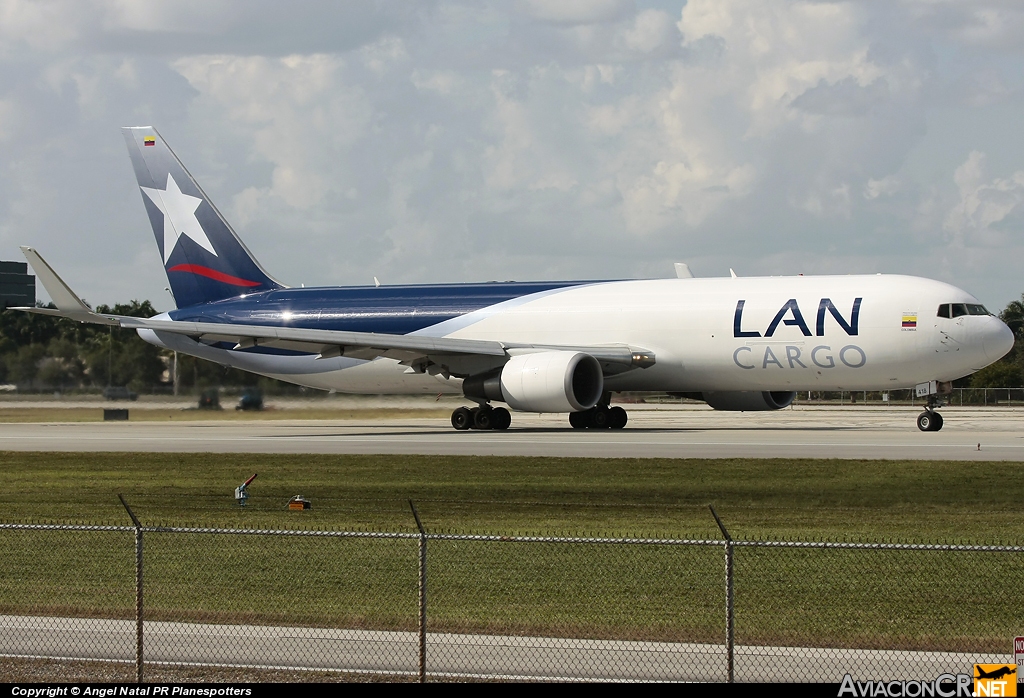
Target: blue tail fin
{"x": 204, "y": 259}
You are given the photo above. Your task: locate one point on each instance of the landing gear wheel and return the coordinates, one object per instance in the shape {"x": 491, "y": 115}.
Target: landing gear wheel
{"x": 462, "y": 419}
{"x": 924, "y": 421}
{"x": 579, "y": 420}
{"x": 601, "y": 419}
{"x": 484, "y": 418}
{"x": 500, "y": 418}
{"x": 929, "y": 420}
{"x": 617, "y": 417}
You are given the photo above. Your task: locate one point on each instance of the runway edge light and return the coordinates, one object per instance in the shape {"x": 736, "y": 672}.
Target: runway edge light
{"x": 299, "y": 503}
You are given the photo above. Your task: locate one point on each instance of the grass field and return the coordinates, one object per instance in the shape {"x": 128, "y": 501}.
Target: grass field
{"x": 924, "y": 600}
{"x": 918, "y": 501}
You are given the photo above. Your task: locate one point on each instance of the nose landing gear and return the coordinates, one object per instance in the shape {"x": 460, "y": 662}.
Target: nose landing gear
{"x": 930, "y": 420}
{"x": 483, "y": 417}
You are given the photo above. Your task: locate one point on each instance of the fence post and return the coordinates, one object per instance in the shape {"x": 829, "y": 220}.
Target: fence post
{"x": 730, "y": 615}
{"x": 423, "y": 593}
{"x": 138, "y": 588}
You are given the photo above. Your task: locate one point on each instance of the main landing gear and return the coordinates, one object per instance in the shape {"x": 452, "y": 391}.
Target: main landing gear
{"x": 483, "y": 417}
{"x": 599, "y": 417}
{"x": 487, "y": 417}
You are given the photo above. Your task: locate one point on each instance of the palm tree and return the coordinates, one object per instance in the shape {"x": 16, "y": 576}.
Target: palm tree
{"x": 1013, "y": 316}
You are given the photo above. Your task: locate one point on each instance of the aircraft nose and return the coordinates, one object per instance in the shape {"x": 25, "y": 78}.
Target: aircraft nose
{"x": 998, "y": 340}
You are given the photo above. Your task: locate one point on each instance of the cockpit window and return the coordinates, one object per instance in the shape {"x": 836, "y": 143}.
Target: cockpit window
{"x": 951, "y": 310}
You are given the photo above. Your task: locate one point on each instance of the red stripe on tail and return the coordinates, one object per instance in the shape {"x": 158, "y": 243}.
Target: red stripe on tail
{"x": 213, "y": 274}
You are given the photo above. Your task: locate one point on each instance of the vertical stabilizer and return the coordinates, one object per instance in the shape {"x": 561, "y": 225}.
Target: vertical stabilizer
{"x": 204, "y": 259}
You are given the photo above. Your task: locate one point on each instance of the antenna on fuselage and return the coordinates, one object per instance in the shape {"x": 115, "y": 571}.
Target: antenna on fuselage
{"x": 732, "y": 273}
{"x": 375, "y": 282}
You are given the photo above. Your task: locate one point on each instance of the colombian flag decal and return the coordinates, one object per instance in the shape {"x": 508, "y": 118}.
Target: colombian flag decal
{"x": 149, "y": 140}
{"x": 909, "y": 321}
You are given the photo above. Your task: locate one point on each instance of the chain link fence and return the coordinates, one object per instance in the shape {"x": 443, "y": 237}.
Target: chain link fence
{"x": 429, "y": 605}
{"x": 56, "y": 602}
{"x": 975, "y": 396}
{"x": 815, "y": 611}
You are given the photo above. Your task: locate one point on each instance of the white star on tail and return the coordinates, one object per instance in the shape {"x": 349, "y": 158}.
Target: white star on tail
{"x": 179, "y": 216}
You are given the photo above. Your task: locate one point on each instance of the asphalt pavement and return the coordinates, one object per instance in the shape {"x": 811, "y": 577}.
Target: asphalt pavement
{"x": 460, "y": 655}
{"x": 664, "y": 432}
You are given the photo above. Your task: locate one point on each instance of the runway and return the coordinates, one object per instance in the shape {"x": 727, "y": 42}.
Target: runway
{"x": 459, "y": 655}
{"x": 970, "y": 434}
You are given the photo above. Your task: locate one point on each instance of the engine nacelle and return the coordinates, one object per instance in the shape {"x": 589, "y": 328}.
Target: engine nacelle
{"x": 547, "y": 381}
{"x": 749, "y": 400}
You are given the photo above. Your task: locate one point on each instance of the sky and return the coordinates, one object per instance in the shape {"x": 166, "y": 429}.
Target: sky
{"x": 446, "y": 141}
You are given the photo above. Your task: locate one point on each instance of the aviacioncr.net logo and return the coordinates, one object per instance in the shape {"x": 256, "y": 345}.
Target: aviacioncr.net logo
{"x": 944, "y": 686}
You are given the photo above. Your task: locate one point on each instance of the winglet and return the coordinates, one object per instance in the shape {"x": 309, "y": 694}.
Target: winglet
{"x": 67, "y": 301}
{"x": 683, "y": 271}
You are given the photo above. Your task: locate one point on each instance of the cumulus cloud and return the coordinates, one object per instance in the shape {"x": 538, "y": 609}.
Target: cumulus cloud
{"x": 440, "y": 81}
{"x": 777, "y": 54}
{"x": 989, "y": 23}
{"x": 299, "y": 110}
{"x": 40, "y": 25}
{"x": 477, "y": 139}
{"x": 989, "y": 213}
{"x": 886, "y": 186}
{"x": 847, "y": 97}
{"x": 650, "y": 31}
{"x": 180, "y": 27}
{"x": 575, "y": 11}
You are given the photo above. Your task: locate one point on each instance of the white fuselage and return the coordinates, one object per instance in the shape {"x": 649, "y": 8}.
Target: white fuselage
{"x": 789, "y": 333}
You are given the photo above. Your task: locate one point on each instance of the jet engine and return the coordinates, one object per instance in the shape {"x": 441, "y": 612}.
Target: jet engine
{"x": 749, "y": 400}
{"x": 547, "y": 381}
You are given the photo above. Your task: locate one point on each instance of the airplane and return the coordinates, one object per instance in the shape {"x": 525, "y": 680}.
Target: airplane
{"x": 737, "y": 343}
{"x": 998, "y": 673}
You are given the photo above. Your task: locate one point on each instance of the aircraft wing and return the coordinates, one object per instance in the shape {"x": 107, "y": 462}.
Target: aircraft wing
{"x": 417, "y": 351}
{"x": 369, "y": 345}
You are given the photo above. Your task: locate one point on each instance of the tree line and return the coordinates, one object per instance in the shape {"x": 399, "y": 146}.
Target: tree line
{"x": 47, "y": 353}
